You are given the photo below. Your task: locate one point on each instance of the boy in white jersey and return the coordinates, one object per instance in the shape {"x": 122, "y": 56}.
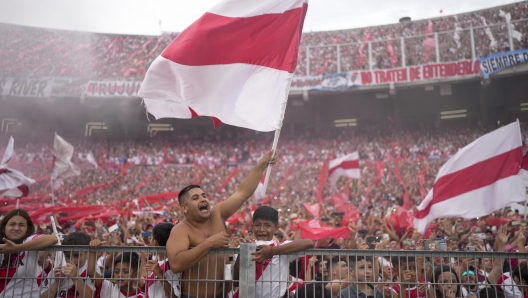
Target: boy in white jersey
{"x": 125, "y": 278}
{"x": 271, "y": 256}
{"x": 72, "y": 280}
{"x": 161, "y": 282}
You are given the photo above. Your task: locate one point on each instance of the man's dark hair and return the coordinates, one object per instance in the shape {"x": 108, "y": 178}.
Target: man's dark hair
{"x": 266, "y": 213}
{"x": 77, "y": 238}
{"x": 353, "y": 260}
{"x": 521, "y": 272}
{"x": 313, "y": 290}
{"x": 161, "y": 233}
{"x": 130, "y": 258}
{"x": 396, "y": 260}
{"x": 334, "y": 263}
{"x": 490, "y": 292}
{"x": 185, "y": 190}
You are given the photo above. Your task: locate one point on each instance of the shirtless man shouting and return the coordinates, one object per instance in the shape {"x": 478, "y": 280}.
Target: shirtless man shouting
{"x": 204, "y": 229}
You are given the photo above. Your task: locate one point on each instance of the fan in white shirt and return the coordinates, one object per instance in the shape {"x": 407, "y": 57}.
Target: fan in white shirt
{"x": 162, "y": 282}
{"x": 125, "y": 277}
{"x": 71, "y": 279}
{"x": 19, "y": 259}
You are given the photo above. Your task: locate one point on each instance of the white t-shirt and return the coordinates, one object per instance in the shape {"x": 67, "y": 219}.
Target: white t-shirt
{"x": 270, "y": 272}
{"x": 509, "y": 287}
{"x": 155, "y": 287}
{"x": 111, "y": 290}
{"x": 21, "y": 272}
{"x": 67, "y": 286}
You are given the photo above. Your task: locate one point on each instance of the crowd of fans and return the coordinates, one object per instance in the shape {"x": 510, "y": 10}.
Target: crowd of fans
{"x": 34, "y": 52}
{"x": 395, "y": 166}
{"x": 131, "y": 172}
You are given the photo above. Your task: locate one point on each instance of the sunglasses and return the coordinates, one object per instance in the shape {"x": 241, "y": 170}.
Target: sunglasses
{"x": 468, "y": 272}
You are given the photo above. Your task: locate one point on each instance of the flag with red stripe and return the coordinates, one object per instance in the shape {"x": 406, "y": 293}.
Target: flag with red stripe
{"x": 13, "y": 184}
{"x": 347, "y": 166}
{"x": 235, "y": 63}
{"x": 479, "y": 179}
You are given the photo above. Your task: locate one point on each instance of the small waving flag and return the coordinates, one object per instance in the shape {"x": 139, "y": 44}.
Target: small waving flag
{"x": 62, "y": 165}
{"x": 347, "y": 166}
{"x": 13, "y": 184}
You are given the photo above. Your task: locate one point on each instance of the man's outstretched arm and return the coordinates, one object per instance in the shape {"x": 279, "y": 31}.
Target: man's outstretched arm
{"x": 247, "y": 188}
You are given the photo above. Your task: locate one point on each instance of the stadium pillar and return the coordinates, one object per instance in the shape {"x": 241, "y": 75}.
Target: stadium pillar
{"x": 317, "y": 117}
{"x": 483, "y": 105}
{"x": 396, "y": 114}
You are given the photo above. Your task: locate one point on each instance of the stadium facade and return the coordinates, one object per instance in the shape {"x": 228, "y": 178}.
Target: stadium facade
{"x": 467, "y": 68}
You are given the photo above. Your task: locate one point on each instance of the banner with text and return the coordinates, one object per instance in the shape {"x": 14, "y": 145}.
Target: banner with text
{"x": 25, "y": 87}
{"x": 346, "y": 80}
{"x": 112, "y": 88}
{"x": 499, "y": 61}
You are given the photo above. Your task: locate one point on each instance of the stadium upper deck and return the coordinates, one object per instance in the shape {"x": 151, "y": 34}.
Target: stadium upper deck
{"x": 36, "y": 52}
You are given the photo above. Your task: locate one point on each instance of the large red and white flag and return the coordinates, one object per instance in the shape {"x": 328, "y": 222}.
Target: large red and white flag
{"x": 479, "y": 179}
{"x": 347, "y": 166}
{"x": 235, "y": 64}
{"x": 13, "y": 184}
{"x": 62, "y": 166}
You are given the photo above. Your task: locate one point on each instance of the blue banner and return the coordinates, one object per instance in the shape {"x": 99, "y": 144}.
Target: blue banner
{"x": 499, "y": 61}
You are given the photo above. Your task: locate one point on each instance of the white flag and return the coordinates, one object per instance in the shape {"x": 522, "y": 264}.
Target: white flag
{"x": 13, "y": 184}
{"x": 62, "y": 165}
{"x": 479, "y": 179}
{"x": 91, "y": 159}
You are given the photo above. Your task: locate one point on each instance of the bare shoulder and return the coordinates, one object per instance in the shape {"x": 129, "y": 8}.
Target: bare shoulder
{"x": 181, "y": 229}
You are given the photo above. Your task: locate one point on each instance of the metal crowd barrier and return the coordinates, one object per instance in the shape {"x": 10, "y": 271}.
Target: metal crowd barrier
{"x": 309, "y": 272}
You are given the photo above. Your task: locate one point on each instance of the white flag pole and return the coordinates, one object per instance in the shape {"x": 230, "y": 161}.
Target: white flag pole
{"x": 59, "y": 256}
{"x": 268, "y": 170}
{"x": 17, "y": 200}
{"x": 277, "y": 134}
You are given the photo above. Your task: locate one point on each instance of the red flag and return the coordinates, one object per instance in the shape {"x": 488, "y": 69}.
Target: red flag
{"x": 339, "y": 200}
{"x": 314, "y": 209}
{"x": 323, "y": 175}
{"x": 317, "y": 231}
{"x": 390, "y": 50}
{"x": 367, "y": 38}
{"x": 235, "y": 63}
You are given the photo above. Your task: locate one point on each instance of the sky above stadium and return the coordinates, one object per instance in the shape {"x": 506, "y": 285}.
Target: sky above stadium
{"x": 144, "y": 16}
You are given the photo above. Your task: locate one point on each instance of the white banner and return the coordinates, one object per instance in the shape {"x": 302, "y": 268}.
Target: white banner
{"x": 112, "y": 88}
{"x": 25, "y": 87}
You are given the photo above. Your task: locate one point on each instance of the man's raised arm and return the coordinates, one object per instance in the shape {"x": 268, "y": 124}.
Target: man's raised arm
{"x": 181, "y": 258}
{"x": 247, "y": 188}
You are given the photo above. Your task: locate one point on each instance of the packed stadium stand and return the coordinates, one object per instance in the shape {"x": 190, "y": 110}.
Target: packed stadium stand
{"x": 30, "y": 52}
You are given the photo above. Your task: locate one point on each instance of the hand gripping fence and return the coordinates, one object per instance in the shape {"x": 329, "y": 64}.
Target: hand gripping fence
{"x": 144, "y": 272}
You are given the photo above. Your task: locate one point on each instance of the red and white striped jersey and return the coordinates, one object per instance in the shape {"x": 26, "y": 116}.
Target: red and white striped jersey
{"x": 154, "y": 287}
